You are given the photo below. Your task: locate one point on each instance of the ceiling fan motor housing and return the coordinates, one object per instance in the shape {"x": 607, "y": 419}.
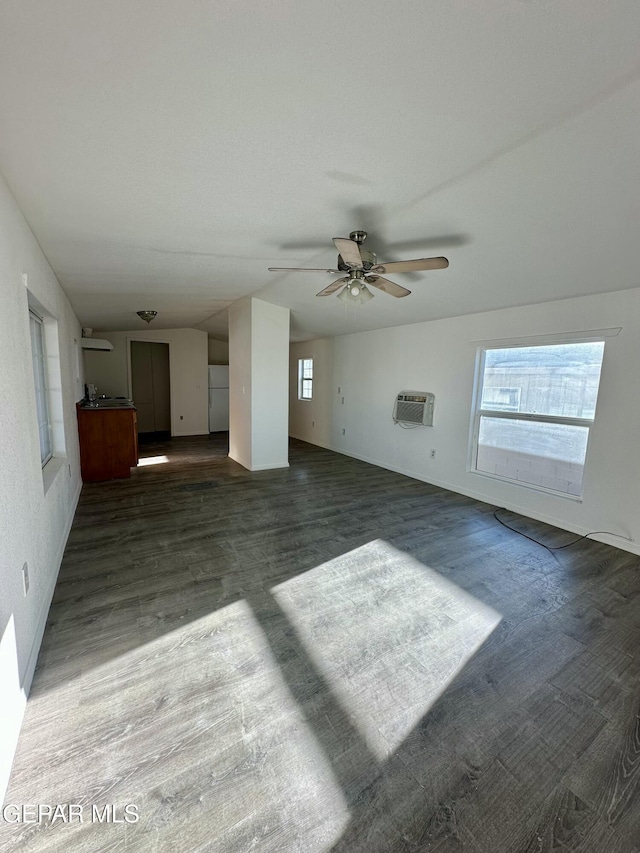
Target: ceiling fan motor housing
{"x": 369, "y": 260}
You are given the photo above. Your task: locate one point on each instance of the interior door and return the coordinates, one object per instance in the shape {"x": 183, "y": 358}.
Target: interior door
{"x": 160, "y": 375}
{"x": 150, "y": 385}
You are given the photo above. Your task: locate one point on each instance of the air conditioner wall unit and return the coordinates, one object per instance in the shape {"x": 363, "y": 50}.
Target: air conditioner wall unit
{"x": 95, "y": 343}
{"x": 414, "y": 407}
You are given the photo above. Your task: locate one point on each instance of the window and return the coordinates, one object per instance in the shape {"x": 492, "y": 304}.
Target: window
{"x": 305, "y": 378}
{"x": 536, "y": 408}
{"x": 38, "y": 355}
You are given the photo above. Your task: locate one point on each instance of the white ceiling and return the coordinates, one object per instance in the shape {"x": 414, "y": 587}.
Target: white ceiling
{"x": 166, "y": 152}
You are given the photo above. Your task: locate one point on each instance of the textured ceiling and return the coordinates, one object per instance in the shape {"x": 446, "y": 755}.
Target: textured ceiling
{"x": 166, "y": 153}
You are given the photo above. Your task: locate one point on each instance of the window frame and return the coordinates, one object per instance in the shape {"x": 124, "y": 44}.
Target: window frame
{"x": 302, "y": 379}
{"x": 477, "y": 412}
{"x": 41, "y": 387}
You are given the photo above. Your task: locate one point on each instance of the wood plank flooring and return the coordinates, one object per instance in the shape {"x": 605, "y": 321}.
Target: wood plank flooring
{"x": 330, "y": 657}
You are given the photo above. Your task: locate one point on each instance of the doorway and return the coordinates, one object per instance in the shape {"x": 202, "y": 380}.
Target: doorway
{"x": 150, "y": 388}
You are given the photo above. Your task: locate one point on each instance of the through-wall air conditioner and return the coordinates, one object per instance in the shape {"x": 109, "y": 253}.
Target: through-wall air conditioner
{"x": 414, "y": 407}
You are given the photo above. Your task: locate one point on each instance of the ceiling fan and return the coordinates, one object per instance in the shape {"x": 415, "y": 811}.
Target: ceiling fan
{"x": 362, "y": 268}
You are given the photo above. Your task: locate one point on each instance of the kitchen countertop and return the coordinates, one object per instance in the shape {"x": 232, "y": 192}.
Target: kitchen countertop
{"x": 106, "y": 403}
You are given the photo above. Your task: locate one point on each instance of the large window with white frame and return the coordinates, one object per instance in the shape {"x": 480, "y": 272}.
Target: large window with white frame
{"x": 305, "y": 378}
{"x": 39, "y": 359}
{"x": 535, "y": 409}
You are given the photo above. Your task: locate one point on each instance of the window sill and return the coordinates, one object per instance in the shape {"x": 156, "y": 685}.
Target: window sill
{"x": 531, "y": 486}
{"x": 50, "y": 471}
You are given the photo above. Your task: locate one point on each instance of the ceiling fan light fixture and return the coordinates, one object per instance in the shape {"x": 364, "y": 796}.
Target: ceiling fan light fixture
{"x": 365, "y": 294}
{"x": 147, "y": 316}
{"x": 355, "y": 292}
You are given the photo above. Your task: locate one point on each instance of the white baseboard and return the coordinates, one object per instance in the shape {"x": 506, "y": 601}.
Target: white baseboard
{"x": 32, "y": 660}
{"x": 246, "y": 465}
{"x": 315, "y": 443}
{"x": 273, "y": 467}
{"x": 240, "y": 461}
{"x": 614, "y": 541}
{"x": 11, "y": 732}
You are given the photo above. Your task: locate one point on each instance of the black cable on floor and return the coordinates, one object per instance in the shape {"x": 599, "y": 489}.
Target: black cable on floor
{"x": 552, "y": 547}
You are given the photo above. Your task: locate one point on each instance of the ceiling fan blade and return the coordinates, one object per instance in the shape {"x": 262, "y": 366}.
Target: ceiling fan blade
{"x": 350, "y": 252}
{"x": 389, "y": 287}
{"x": 410, "y": 266}
{"x": 302, "y": 269}
{"x": 331, "y": 288}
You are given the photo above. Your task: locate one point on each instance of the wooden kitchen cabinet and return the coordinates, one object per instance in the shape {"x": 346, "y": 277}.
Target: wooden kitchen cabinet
{"x": 108, "y": 442}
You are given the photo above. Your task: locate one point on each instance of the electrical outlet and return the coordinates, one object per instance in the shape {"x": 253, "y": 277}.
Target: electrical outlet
{"x": 25, "y": 578}
{"x": 181, "y": 417}
{"x": 433, "y": 454}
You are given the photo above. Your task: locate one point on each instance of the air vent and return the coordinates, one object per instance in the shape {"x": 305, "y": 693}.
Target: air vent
{"x": 414, "y": 407}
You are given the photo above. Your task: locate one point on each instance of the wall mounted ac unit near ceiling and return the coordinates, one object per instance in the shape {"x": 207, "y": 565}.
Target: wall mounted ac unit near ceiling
{"x": 414, "y": 407}
{"x": 95, "y": 343}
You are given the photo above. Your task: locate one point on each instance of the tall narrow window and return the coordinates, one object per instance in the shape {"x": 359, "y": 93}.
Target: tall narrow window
{"x": 38, "y": 355}
{"x": 305, "y": 378}
{"x": 535, "y": 412}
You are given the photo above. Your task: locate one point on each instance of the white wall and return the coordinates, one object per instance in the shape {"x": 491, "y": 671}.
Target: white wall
{"x": 258, "y": 384}
{"x": 370, "y": 368}
{"x": 270, "y": 386}
{"x": 188, "y": 361}
{"x": 240, "y": 382}
{"x": 35, "y": 510}
{"x": 218, "y": 351}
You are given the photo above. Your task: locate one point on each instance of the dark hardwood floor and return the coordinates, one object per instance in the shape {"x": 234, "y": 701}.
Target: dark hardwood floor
{"x": 329, "y": 657}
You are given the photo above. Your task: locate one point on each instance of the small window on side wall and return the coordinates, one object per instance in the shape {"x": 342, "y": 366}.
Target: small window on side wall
{"x": 536, "y": 406}
{"x": 305, "y": 378}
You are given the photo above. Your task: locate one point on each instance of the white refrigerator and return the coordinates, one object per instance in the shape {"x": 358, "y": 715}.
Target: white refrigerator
{"x": 218, "y": 397}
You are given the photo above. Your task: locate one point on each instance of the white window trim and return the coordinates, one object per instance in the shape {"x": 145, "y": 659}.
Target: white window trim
{"x": 587, "y": 336}
{"x": 45, "y": 383}
{"x": 302, "y": 378}
{"x": 477, "y": 412}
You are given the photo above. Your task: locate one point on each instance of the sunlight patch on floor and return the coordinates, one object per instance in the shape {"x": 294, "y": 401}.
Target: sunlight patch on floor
{"x": 200, "y": 716}
{"x": 13, "y": 700}
{"x": 152, "y": 460}
{"x": 388, "y": 634}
